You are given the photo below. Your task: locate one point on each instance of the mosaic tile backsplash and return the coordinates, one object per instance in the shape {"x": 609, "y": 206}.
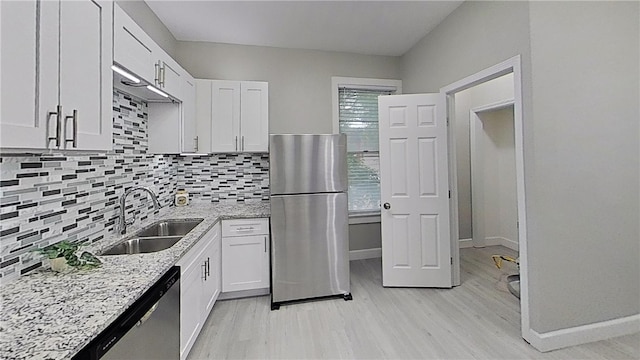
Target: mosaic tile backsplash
{"x": 225, "y": 177}
{"x": 46, "y": 199}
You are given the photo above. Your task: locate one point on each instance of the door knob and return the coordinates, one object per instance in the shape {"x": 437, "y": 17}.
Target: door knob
{"x": 387, "y": 206}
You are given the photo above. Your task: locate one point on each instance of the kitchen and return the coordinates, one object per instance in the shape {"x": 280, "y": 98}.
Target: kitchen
{"x": 289, "y": 67}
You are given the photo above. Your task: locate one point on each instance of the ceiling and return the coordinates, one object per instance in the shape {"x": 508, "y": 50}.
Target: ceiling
{"x": 364, "y": 27}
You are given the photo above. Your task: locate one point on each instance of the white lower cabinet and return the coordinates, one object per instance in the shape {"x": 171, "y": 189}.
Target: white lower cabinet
{"x": 199, "y": 287}
{"x": 245, "y": 254}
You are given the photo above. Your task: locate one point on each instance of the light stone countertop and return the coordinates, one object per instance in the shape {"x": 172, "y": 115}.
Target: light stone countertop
{"x": 48, "y": 315}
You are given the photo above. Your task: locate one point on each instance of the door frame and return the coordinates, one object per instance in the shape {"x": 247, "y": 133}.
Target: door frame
{"x": 476, "y": 151}
{"x": 512, "y": 65}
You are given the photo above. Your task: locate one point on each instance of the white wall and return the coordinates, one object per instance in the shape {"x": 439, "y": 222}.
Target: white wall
{"x": 584, "y": 238}
{"x": 299, "y": 80}
{"x": 142, "y": 14}
{"x": 581, "y": 142}
{"x": 299, "y": 89}
{"x": 487, "y": 93}
{"x": 500, "y": 200}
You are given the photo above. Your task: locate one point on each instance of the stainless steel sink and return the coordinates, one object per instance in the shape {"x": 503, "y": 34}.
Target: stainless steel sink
{"x": 143, "y": 245}
{"x": 156, "y": 237}
{"x": 169, "y": 228}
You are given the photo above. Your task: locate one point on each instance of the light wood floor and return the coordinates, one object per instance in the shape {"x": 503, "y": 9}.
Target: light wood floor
{"x": 478, "y": 320}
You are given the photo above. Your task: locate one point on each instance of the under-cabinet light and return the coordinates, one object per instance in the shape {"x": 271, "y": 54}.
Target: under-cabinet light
{"x": 157, "y": 91}
{"x": 125, "y": 74}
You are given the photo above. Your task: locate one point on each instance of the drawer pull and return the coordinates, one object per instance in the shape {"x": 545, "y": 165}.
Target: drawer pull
{"x": 249, "y": 228}
{"x": 204, "y": 271}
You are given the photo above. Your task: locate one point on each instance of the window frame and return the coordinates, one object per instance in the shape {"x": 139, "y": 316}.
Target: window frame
{"x": 367, "y": 84}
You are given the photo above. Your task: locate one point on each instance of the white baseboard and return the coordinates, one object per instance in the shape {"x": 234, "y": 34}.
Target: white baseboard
{"x": 465, "y": 243}
{"x": 499, "y": 240}
{"x": 491, "y": 241}
{"x": 583, "y": 334}
{"x": 365, "y": 254}
{"x": 243, "y": 294}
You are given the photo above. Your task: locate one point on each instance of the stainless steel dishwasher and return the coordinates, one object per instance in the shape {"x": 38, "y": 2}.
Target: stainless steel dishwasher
{"x": 149, "y": 329}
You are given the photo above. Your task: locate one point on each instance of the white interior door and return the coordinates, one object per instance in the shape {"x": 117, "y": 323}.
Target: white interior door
{"x": 414, "y": 184}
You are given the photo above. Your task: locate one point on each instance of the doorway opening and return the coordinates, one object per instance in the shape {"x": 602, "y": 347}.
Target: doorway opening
{"x": 494, "y": 208}
{"x": 478, "y": 224}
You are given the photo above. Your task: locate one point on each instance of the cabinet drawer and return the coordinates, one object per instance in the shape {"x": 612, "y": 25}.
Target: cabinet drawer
{"x": 244, "y": 227}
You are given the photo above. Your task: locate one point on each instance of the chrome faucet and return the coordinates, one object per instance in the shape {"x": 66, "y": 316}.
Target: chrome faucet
{"x": 124, "y": 222}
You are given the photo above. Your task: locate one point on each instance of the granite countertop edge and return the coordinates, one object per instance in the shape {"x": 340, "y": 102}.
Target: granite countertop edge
{"x": 39, "y": 321}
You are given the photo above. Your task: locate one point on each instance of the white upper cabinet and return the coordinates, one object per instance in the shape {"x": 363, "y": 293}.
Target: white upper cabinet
{"x": 85, "y": 76}
{"x": 234, "y": 114}
{"x": 254, "y": 116}
{"x": 189, "y": 136}
{"x": 169, "y": 78}
{"x": 172, "y": 121}
{"x": 225, "y": 116}
{"x": 56, "y": 84}
{"x": 203, "y": 115}
{"x": 133, "y": 49}
{"x": 22, "y": 125}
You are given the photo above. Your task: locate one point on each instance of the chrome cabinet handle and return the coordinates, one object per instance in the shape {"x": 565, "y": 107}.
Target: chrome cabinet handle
{"x": 74, "y": 138}
{"x": 265, "y": 244}
{"x": 236, "y": 143}
{"x": 248, "y": 228}
{"x": 242, "y": 142}
{"x": 157, "y": 73}
{"x": 163, "y": 72}
{"x": 58, "y": 136}
{"x": 208, "y": 266}
{"x": 195, "y": 144}
{"x": 204, "y": 271}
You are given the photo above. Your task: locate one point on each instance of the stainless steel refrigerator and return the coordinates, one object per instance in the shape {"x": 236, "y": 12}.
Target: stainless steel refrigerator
{"x": 309, "y": 217}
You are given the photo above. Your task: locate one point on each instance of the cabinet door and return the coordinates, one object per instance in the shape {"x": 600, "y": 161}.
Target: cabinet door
{"x": 211, "y": 257}
{"x": 132, "y": 47}
{"x": 28, "y": 73}
{"x": 190, "y": 306}
{"x": 245, "y": 263}
{"x": 85, "y": 74}
{"x": 254, "y": 116}
{"x": 165, "y": 128}
{"x": 189, "y": 141}
{"x": 203, "y": 115}
{"x": 225, "y": 116}
{"x": 170, "y": 79}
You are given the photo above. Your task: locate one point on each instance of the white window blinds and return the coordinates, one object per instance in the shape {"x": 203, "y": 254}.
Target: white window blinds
{"x": 358, "y": 118}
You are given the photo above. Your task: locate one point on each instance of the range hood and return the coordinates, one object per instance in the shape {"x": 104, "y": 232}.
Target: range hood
{"x": 129, "y": 83}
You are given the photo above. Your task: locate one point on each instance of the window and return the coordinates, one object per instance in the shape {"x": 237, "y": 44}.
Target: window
{"x": 356, "y": 114}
